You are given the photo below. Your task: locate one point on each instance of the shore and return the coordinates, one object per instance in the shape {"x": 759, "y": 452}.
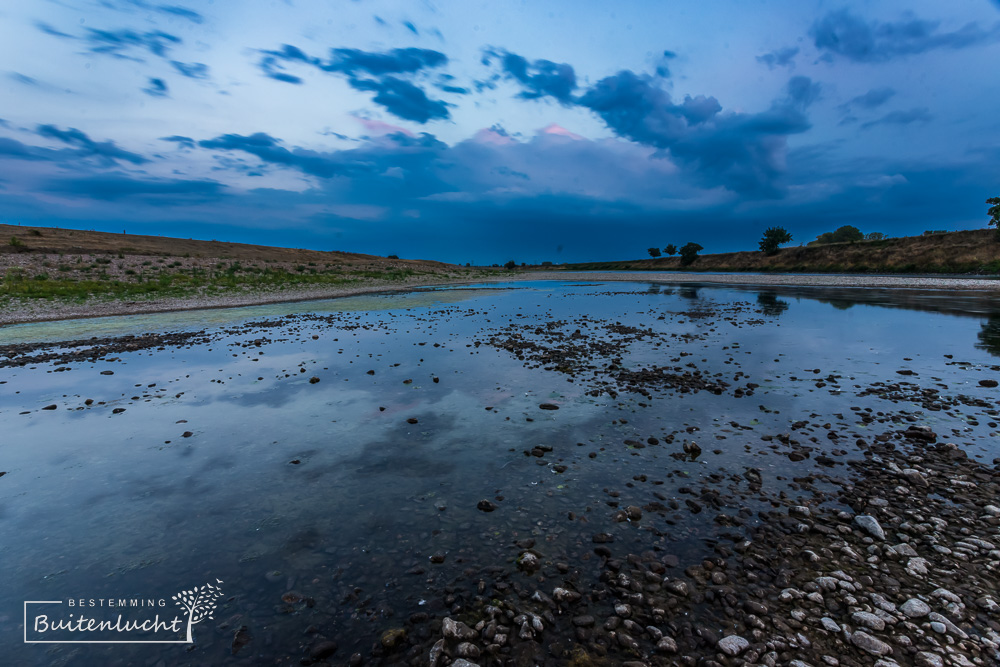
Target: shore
{"x": 43, "y": 310}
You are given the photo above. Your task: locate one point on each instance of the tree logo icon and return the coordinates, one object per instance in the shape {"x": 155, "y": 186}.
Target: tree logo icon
{"x": 199, "y": 603}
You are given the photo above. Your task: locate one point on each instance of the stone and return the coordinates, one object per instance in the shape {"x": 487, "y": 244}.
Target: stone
{"x": 462, "y": 662}
{"x": 666, "y": 645}
{"x": 915, "y": 608}
{"x": 928, "y": 659}
{"x": 452, "y": 629}
{"x": 870, "y": 525}
{"x": 866, "y": 642}
{"x": 868, "y": 620}
{"x": 323, "y": 650}
{"x": 393, "y": 638}
{"x": 486, "y": 505}
{"x": 467, "y": 650}
{"x": 829, "y": 624}
{"x": 733, "y": 645}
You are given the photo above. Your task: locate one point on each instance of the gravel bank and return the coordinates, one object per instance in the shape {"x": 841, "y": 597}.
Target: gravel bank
{"x": 37, "y": 311}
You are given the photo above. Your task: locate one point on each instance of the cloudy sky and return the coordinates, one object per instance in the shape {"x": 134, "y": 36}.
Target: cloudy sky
{"x": 484, "y": 131}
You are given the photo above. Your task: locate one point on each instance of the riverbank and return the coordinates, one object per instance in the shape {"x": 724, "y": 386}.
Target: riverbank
{"x": 38, "y": 310}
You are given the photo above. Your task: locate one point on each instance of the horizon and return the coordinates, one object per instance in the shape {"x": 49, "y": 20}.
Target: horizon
{"x": 559, "y": 132}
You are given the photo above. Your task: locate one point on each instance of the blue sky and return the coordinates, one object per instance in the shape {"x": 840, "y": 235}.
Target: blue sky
{"x": 463, "y": 131}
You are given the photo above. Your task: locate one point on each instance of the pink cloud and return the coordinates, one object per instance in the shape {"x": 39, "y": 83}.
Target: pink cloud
{"x": 560, "y": 131}
{"x": 378, "y": 127}
{"x": 491, "y": 136}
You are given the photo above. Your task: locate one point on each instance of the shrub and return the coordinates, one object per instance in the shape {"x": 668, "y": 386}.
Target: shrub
{"x": 653, "y": 252}
{"x": 689, "y": 253}
{"x": 773, "y": 238}
{"x": 510, "y": 265}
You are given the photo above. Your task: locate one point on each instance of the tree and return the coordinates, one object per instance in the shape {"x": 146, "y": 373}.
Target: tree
{"x": 994, "y": 213}
{"x": 845, "y": 234}
{"x": 689, "y": 253}
{"x": 510, "y": 265}
{"x": 654, "y": 252}
{"x": 199, "y": 603}
{"x": 875, "y": 236}
{"x": 774, "y": 237}
{"x": 670, "y": 249}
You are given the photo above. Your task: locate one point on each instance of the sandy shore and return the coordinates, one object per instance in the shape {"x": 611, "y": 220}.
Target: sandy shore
{"x": 37, "y": 311}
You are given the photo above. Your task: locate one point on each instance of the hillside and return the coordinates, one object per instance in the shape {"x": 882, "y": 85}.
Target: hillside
{"x": 55, "y": 240}
{"x": 976, "y": 251}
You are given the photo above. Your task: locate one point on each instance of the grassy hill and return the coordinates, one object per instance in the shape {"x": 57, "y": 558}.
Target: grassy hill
{"x": 45, "y": 262}
{"x": 976, "y": 251}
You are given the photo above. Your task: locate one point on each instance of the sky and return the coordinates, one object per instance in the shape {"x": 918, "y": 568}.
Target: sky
{"x": 473, "y": 131}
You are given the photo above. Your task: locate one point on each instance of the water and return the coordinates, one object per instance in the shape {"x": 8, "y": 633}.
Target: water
{"x": 326, "y": 494}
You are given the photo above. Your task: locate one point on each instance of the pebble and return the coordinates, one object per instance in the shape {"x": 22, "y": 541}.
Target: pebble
{"x": 915, "y": 608}
{"x": 733, "y": 645}
{"x": 866, "y": 642}
{"x": 871, "y": 525}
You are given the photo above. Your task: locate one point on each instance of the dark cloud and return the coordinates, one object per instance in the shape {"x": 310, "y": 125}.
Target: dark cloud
{"x": 11, "y": 148}
{"x": 85, "y": 146}
{"x": 781, "y": 58}
{"x": 539, "y": 78}
{"x": 182, "y": 12}
{"x": 182, "y": 141}
{"x": 875, "y": 97}
{"x": 113, "y": 187}
{"x": 156, "y": 88}
{"x": 412, "y": 28}
{"x": 49, "y": 30}
{"x": 267, "y": 148}
{"x": 191, "y": 70}
{"x": 119, "y": 43}
{"x": 919, "y": 115}
{"x": 377, "y": 72}
{"x": 663, "y": 66}
{"x": 742, "y": 152}
{"x": 23, "y": 78}
{"x": 403, "y": 99}
{"x": 844, "y": 34}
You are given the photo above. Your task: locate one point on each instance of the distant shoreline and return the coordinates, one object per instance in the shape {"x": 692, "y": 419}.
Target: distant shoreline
{"x": 41, "y": 311}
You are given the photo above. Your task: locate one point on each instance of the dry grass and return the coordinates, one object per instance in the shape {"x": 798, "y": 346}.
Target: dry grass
{"x": 975, "y": 251}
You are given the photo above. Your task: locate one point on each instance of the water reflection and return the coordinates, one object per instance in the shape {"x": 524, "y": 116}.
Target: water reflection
{"x": 770, "y": 304}
{"x": 989, "y": 336}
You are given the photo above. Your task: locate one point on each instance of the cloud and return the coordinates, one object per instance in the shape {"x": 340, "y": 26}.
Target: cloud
{"x": 23, "y": 78}
{"x": 842, "y": 33}
{"x": 412, "y": 28}
{"x": 181, "y": 141}
{"x": 118, "y": 43}
{"x": 403, "y": 99}
{"x": 742, "y": 152}
{"x": 156, "y": 88}
{"x": 663, "y": 66}
{"x": 370, "y": 71}
{"x": 539, "y": 78}
{"x": 919, "y": 115}
{"x": 191, "y": 70}
{"x": 875, "y": 97}
{"x": 781, "y": 58}
{"x": 267, "y": 148}
{"x": 106, "y": 150}
{"x": 170, "y": 10}
{"x": 49, "y": 30}
{"x": 11, "y": 148}
{"x": 113, "y": 187}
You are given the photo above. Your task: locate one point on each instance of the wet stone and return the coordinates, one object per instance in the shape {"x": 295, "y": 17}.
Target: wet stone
{"x": 866, "y": 642}
{"x": 870, "y": 525}
{"x": 915, "y": 608}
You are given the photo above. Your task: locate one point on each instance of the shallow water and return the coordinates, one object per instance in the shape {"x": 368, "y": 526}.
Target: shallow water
{"x": 325, "y": 489}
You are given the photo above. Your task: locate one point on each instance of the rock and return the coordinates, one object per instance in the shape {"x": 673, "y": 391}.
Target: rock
{"x": 868, "y": 620}
{"x": 666, "y": 645}
{"x": 393, "y": 638}
{"x": 107, "y": 372}
{"x": 915, "y": 608}
{"x": 633, "y": 512}
{"x": 586, "y": 621}
{"x": 733, "y": 645}
{"x": 870, "y": 525}
{"x": 528, "y": 562}
{"x": 987, "y": 383}
{"x": 927, "y": 659}
{"x": 313, "y": 380}
{"x": 548, "y": 406}
{"x": 486, "y": 505}
{"x": 603, "y": 538}
{"x": 462, "y": 662}
{"x": 50, "y": 407}
{"x": 452, "y": 629}
{"x": 467, "y": 650}
{"x": 866, "y": 642}
{"x": 829, "y": 624}
{"x": 323, "y": 650}
{"x": 438, "y": 557}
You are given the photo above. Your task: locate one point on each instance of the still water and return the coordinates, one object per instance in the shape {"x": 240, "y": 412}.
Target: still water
{"x": 324, "y": 461}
